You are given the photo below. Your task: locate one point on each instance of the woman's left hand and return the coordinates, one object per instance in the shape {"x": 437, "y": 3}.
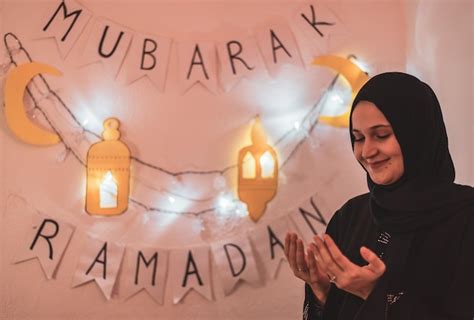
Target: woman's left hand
{"x": 346, "y": 275}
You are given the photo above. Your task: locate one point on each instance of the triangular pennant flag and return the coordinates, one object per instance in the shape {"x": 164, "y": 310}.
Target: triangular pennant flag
{"x": 144, "y": 269}
{"x": 190, "y": 269}
{"x": 270, "y": 243}
{"x": 238, "y": 57}
{"x": 148, "y": 56}
{"x": 235, "y": 261}
{"x": 197, "y": 63}
{"x": 65, "y": 21}
{"x": 108, "y": 42}
{"x": 318, "y": 24}
{"x": 47, "y": 240}
{"x": 99, "y": 261}
{"x": 278, "y": 46}
{"x": 310, "y": 219}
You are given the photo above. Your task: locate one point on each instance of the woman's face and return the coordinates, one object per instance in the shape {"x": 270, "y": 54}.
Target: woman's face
{"x": 375, "y": 144}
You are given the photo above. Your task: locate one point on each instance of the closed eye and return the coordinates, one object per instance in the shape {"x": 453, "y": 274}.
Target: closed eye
{"x": 382, "y": 137}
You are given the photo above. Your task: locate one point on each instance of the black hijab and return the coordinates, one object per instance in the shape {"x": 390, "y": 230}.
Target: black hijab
{"x": 426, "y": 193}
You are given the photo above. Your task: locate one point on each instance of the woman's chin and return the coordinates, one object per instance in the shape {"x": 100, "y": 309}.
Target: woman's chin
{"x": 381, "y": 180}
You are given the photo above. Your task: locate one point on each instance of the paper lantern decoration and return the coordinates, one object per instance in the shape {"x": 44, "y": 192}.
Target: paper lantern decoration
{"x": 108, "y": 173}
{"x": 258, "y": 173}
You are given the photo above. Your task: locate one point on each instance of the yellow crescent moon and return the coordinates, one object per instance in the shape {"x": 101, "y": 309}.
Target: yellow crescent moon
{"x": 15, "y": 85}
{"x": 353, "y": 74}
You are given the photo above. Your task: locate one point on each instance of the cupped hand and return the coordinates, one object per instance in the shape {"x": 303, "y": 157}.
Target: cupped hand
{"x": 305, "y": 267}
{"x": 346, "y": 275}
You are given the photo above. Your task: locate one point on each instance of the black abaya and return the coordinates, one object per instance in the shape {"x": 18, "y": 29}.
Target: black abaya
{"x": 417, "y": 281}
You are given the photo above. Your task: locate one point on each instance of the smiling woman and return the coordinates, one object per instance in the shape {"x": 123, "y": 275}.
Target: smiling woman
{"x": 375, "y": 146}
{"x": 380, "y": 256}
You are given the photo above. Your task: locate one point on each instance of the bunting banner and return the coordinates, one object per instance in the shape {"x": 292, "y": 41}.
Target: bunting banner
{"x": 129, "y": 55}
{"x": 65, "y": 23}
{"x": 278, "y": 47}
{"x": 148, "y": 56}
{"x": 46, "y": 240}
{"x": 309, "y": 219}
{"x": 235, "y": 261}
{"x": 108, "y": 43}
{"x": 270, "y": 243}
{"x": 130, "y": 269}
{"x": 319, "y": 26}
{"x": 144, "y": 269}
{"x": 238, "y": 57}
{"x": 197, "y": 63}
{"x": 99, "y": 261}
{"x": 190, "y": 269}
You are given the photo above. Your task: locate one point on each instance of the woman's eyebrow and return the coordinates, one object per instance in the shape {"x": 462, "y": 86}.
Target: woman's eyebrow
{"x": 375, "y": 127}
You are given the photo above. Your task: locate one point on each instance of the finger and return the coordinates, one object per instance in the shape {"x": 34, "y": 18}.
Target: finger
{"x": 319, "y": 261}
{"x": 310, "y": 260}
{"x": 314, "y": 269}
{"x": 312, "y": 265}
{"x": 341, "y": 260}
{"x": 287, "y": 244}
{"x": 331, "y": 265}
{"x": 300, "y": 258}
{"x": 292, "y": 252}
{"x": 376, "y": 265}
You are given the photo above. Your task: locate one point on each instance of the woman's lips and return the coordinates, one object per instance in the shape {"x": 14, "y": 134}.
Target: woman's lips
{"x": 378, "y": 164}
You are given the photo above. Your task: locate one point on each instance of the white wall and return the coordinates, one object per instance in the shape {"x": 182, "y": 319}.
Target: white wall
{"x": 440, "y": 52}
{"x": 186, "y": 126}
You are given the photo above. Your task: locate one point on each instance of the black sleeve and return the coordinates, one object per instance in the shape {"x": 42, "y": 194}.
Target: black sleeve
{"x": 459, "y": 303}
{"x": 312, "y": 309}
{"x": 376, "y": 305}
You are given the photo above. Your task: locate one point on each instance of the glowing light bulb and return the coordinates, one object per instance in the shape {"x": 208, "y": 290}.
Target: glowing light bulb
{"x": 108, "y": 191}
{"x": 267, "y": 164}
{"x": 241, "y": 209}
{"x": 225, "y": 203}
{"x": 336, "y": 97}
{"x": 248, "y": 166}
{"x": 361, "y": 64}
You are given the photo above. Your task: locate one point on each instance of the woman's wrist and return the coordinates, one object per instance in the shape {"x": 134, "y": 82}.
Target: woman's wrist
{"x": 318, "y": 294}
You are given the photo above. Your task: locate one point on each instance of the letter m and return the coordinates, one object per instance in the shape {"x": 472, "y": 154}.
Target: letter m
{"x": 66, "y": 16}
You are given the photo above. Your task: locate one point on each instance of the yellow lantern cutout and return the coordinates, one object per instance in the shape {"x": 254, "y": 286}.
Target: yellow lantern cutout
{"x": 108, "y": 173}
{"x": 258, "y": 173}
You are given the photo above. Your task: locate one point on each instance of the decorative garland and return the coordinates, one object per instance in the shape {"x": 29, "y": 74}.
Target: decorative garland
{"x": 311, "y": 118}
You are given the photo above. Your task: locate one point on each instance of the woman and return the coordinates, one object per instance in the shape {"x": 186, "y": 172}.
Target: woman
{"x": 405, "y": 249}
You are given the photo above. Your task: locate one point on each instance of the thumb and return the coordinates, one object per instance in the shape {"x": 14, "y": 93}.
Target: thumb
{"x": 376, "y": 265}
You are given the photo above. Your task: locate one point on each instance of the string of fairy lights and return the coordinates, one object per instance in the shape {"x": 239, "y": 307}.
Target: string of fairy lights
{"x": 310, "y": 119}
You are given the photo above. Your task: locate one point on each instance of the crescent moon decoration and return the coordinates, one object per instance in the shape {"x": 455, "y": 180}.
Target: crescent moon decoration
{"x": 353, "y": 74}
{"x": 15, "y": 85}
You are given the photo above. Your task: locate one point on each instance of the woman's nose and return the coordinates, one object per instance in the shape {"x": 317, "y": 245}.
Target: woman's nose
{"x": 369, "y": 149}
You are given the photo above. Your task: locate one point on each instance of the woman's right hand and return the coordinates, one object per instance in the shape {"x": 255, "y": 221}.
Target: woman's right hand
{"x": 306, "y": 267}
